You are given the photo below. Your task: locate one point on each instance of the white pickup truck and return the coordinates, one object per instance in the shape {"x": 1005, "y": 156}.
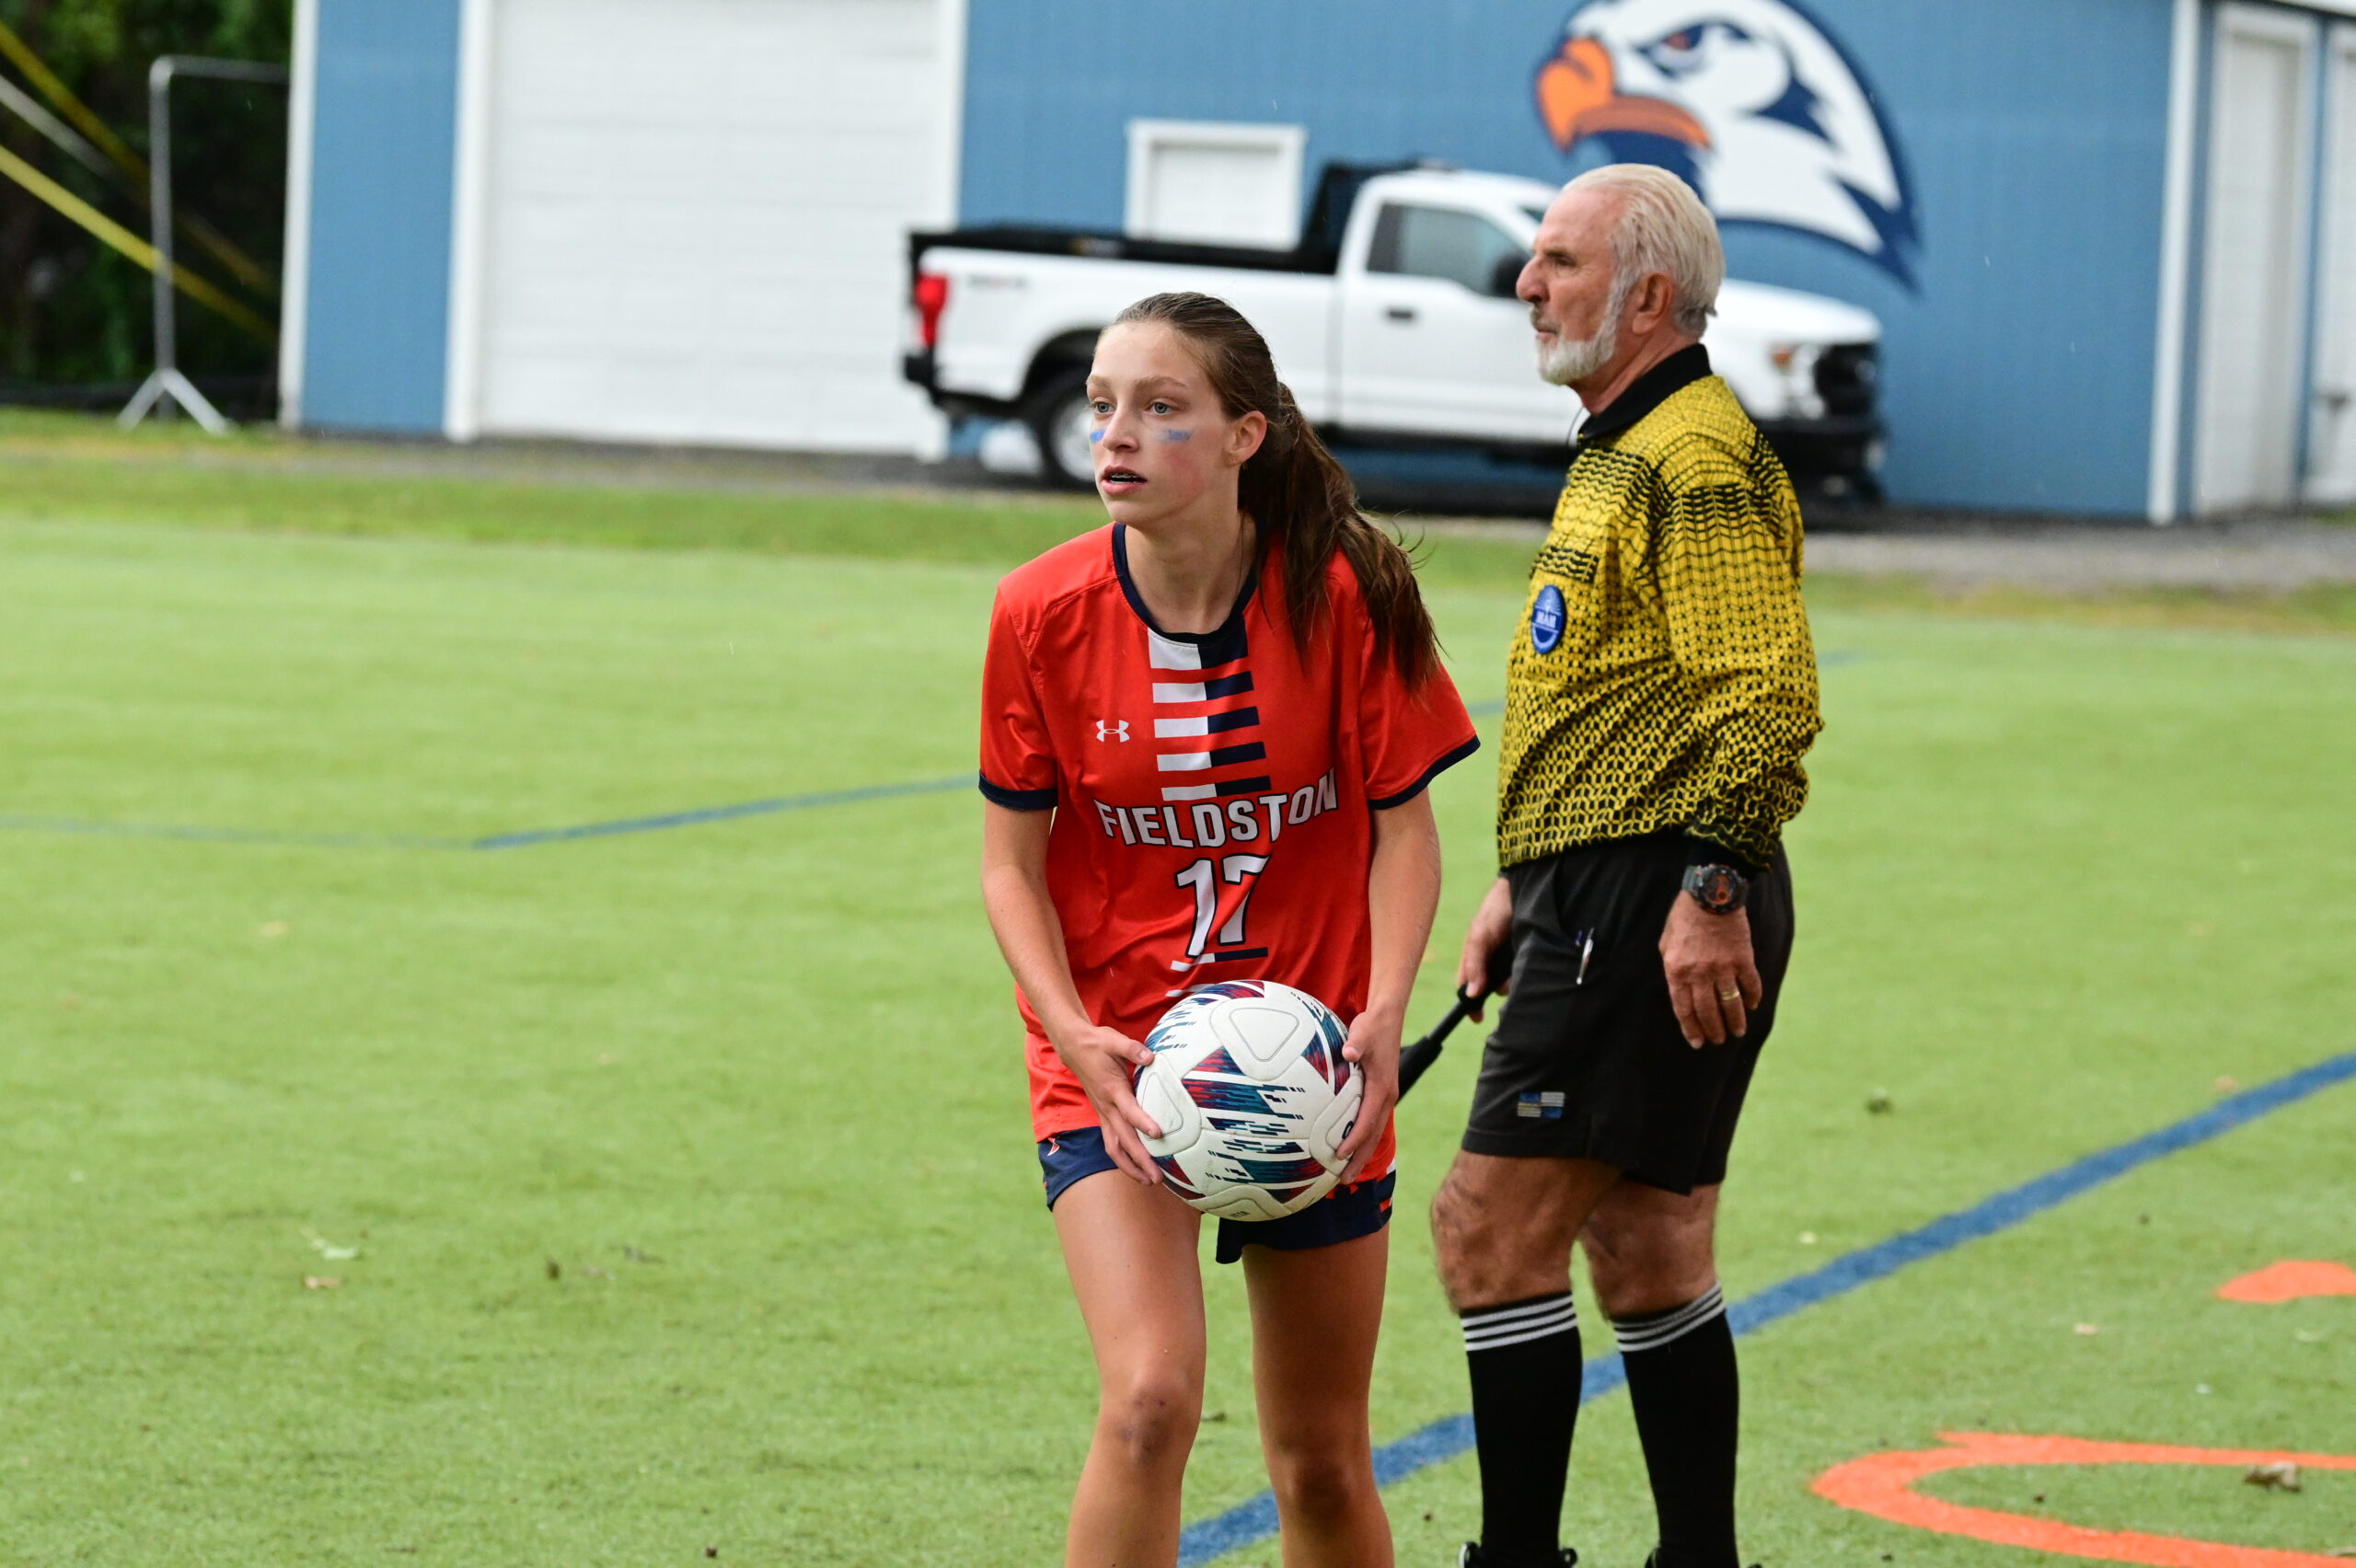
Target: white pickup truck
{"x": 1393, "y": 322}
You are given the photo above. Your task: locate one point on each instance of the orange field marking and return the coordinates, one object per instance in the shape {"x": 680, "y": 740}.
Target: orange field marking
{"x": 1882, "y": 1485}
{"x": 2290, "y": 1280}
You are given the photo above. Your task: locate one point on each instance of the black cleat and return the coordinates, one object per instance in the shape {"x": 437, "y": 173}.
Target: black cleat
{"x": 1474, "y": 1557}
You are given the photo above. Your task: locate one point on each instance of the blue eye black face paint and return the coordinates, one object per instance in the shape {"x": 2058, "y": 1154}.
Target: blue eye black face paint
{"x": 1094, "y": 436}
{"x": 1177, "y": 435}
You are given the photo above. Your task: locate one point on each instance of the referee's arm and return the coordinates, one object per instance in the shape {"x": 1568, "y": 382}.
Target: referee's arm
{"x": 1729, "y": 573}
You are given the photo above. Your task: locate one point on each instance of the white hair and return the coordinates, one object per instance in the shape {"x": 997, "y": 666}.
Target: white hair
{"x": 1663, "y": 227}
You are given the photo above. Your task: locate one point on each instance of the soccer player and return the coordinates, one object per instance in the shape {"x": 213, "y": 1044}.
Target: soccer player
{"x": 1659, "y": 695}
{"x": 1207, "y": 731}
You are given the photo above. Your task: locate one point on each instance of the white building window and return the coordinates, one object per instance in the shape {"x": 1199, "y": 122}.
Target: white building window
{"x": 1215, "y": 182}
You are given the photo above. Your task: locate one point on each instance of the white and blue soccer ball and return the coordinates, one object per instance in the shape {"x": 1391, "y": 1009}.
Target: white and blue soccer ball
{"x": 1253, "y": 1097}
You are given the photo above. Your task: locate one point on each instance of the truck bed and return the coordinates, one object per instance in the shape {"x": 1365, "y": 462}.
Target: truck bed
{"x": 1319, "y": 251}
{"x": 1040, "y": 241}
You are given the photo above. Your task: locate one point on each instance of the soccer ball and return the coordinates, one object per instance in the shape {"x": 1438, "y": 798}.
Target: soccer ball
{"x": 1253, "y": 1094}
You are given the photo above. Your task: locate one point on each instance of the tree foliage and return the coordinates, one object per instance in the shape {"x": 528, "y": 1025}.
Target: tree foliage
{"x": 74, "y": 312}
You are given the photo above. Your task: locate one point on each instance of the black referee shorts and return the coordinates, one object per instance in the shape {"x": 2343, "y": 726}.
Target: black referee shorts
{"x": 1597, "y": 1069}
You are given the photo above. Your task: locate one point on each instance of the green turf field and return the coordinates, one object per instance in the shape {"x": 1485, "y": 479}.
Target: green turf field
{"x": 687, "y": 1171}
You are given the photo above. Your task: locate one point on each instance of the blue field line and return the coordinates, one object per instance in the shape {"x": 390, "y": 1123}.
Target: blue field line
{"x": 526, "y": 837}
{"x": 719, "y": 813}
{"x": 192, "y": 834}
{"x": 1256, "y": 1519}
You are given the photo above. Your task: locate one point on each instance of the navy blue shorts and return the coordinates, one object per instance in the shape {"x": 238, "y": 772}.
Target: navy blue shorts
{"x": 1344, "y": 1214}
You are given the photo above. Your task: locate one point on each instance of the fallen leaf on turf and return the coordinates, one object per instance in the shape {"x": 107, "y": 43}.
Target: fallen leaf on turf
{"x": 556, "y": 1270}
{"x": 1878, "y": 1102}
{"x": 328, "y": 1250}
{"x": 1214, "y": 1415}
{"x": 635, "y": 1256}
{"x": 1808, "y": 1238}
{"x": 2088, "y": 1329}
{"x": 2280, "y": 1476}
{"x": 320, "y": 1282}
{"x": 273, "y": 927}
{"x": 712, "y": 1552}
{"x": 2226, "y": 1084}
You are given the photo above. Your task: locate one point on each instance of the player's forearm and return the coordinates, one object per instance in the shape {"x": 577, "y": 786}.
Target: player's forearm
{"x": 1023, "y": 917}
{"x": 1030, "y": 936}
{"x": 1403, "y": 893}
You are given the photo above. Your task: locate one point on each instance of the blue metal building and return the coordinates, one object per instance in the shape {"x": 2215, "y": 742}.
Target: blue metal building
{"x": 2112, "y": 242}
{"x": 376, "y": 122}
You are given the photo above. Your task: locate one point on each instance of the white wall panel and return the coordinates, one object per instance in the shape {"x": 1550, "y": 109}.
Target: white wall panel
{"x": 2252, "y": 316}
{"x": 696, "y": 216}
{"x": 2331, "y": 453}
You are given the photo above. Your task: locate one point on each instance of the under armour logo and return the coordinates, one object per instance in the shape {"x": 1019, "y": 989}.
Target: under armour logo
{"x": 1112, "y": 729}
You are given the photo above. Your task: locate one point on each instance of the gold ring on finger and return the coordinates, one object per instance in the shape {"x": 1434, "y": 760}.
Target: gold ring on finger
{"x": 1730, "y": 995}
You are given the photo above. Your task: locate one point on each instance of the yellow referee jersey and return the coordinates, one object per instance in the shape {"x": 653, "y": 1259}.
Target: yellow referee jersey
{"x": 1662, "y": 675}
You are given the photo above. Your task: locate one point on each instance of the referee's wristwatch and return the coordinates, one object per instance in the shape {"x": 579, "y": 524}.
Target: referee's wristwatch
{"x": 1718, "y": 889}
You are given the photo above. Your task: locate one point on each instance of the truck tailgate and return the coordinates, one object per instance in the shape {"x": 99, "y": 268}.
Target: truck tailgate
{"x": 1004, "y": 308}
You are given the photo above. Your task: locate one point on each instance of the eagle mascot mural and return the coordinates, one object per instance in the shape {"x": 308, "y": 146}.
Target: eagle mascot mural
{"x": 1750, "y": 102}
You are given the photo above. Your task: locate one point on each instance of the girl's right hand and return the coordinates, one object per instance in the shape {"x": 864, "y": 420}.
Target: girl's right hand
{"x": 1104, "y": 1059}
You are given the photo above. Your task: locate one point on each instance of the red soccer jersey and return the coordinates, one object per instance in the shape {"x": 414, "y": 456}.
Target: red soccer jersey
{"x": 1211, "y": 791}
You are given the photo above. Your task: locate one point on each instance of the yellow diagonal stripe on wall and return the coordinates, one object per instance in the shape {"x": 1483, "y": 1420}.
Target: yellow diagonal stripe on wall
{"x": 60, "y": 97}
{"x": 74, "y": 108}
{"x": 112, "y": 233}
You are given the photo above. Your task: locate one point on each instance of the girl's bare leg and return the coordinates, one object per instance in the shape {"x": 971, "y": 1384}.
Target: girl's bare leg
{"x": 1130, "y": 1251}
{"x": 1314, "y": 1319}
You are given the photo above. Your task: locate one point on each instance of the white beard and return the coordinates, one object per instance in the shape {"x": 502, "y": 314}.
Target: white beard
{"x": 1565, "y": 362}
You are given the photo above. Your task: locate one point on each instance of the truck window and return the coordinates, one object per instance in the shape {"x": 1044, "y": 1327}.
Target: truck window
{"x": 1436, "y": 242}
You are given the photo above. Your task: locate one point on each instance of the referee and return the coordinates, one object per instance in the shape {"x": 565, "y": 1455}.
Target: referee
{"x": 1660, "y": 692}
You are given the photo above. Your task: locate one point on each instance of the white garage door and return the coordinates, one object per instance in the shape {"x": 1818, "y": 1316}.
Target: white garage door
{"x": 2331, "y": 453}
{"x": 2251, "y": 332}
{"x": 689, "y": 219}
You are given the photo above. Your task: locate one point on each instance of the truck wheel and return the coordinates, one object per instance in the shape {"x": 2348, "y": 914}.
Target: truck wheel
{"x": 1059, "y": 420}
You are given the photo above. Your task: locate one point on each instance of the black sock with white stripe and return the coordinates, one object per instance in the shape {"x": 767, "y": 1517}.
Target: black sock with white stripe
{"x": 1682, "y": 1382}
{"x": 1525, "y": 1358}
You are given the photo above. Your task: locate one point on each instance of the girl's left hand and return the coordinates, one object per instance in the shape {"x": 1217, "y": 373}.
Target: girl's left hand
{"x": 1374, "y": 1047}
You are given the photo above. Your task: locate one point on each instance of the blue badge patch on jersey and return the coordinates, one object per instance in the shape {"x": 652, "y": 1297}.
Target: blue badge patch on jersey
{"x": 1546, "y": 619}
